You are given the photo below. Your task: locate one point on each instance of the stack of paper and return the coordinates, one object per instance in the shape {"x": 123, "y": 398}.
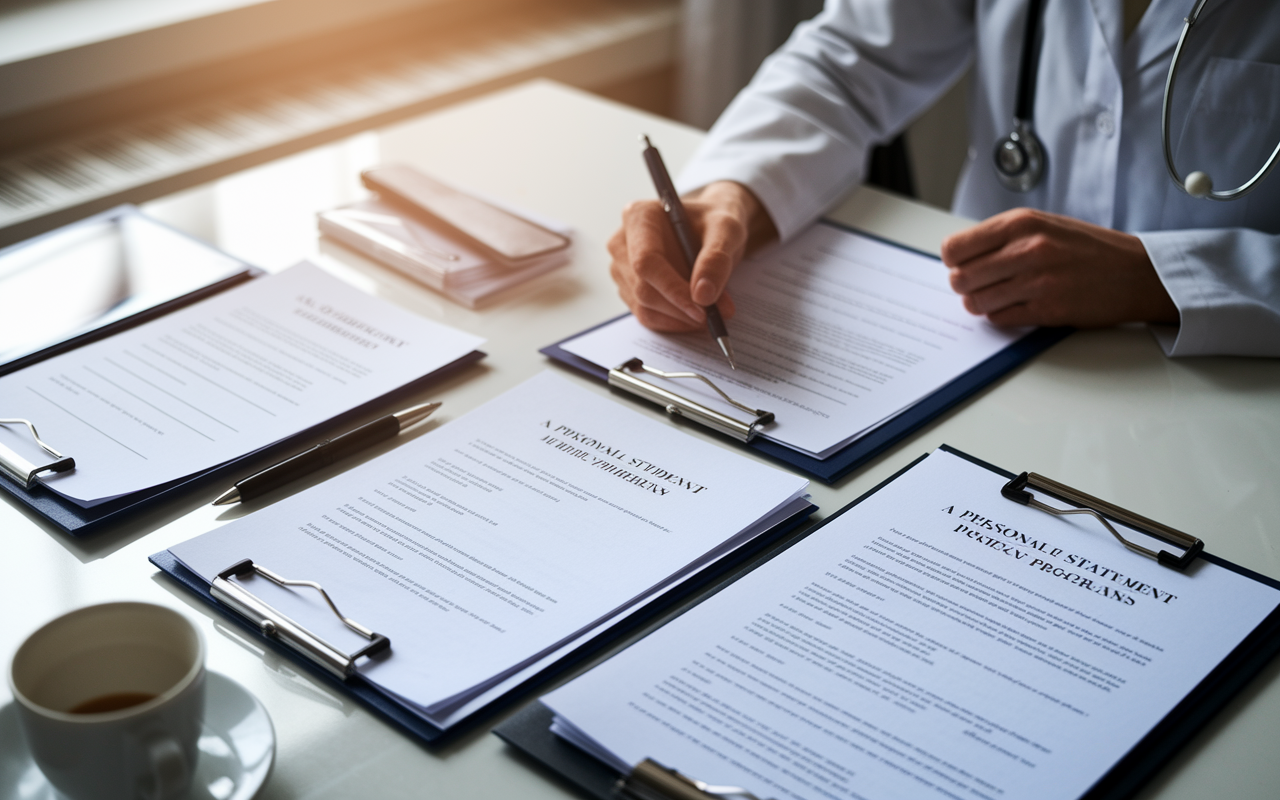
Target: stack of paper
{"x": 492, "y": 547}
{"x": 387, "y": 235}
{"x": 225, "y": 377}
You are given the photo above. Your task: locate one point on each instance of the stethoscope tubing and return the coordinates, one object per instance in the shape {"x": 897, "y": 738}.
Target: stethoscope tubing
{"x": 1022, "y": 144}
{"x": 1166, "y": 110}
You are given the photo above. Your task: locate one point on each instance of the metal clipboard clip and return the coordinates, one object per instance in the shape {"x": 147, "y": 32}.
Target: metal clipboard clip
{"x": 649, "y": 780}
{"x": 622, "y": 377}
{"x": 1016, "y": 490}
{"x": 22, "y": 470}
{"x": 275, "y": 625}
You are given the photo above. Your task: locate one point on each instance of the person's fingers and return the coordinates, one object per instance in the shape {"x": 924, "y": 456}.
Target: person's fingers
{"x": 647, "y": 264}
{"x": 617, "y": 247}
{"x": 724, "y": 239}
{"x": 653, "y": 295}
{"x": 664, "y": 323}
{"x": 652, "y": 310}
{"x": 726, "y": 306}
{"x": 656, "y": 315}
{"x": 1055, "y": 270}
{"x": 650, "y": 307}
{"x": 651, "y": 245}
{"x": 990, "y": 235}
{"x": 962, "y": 247}
{"x": 670, "y": 320}
{"x": 1020, "y": 256}
{"x": 997, "y": 297}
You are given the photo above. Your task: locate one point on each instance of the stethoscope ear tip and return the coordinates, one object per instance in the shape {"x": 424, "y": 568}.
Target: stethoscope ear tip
{"x": 1198, "y": 184}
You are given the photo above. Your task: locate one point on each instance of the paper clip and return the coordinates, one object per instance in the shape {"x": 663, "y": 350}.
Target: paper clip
{"x": 622, "y": 377}
{"x": 277, "y": 626}
{"x": 649, "y": 780}
{"x": 24, "y": 471}
{"x": 1016, "y": 490}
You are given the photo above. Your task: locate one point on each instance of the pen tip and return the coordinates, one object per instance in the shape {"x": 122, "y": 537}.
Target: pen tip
{"x": 228, "y": 497}
{"x": 727, "y": 349}
{"x": 415, "y": 414}
{"x": 644, "y": 140}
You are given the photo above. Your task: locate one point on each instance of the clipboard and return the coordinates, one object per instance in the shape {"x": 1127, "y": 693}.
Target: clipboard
{"x": 336, "y": 669}
{"x": 77, "y": 520}
{"x": 529, "y": 730}
{"x": 860, "y": 450}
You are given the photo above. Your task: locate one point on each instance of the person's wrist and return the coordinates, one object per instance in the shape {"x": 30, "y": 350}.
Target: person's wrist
{"x": 1152, "y": 302}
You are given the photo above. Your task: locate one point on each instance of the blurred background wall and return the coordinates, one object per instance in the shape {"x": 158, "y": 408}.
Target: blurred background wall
{"x": 111, "y": 101}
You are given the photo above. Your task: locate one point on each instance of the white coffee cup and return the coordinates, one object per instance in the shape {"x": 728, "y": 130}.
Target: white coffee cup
{"x": 70, "y": 679}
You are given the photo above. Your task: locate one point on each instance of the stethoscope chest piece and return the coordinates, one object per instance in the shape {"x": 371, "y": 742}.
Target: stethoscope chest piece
{"x": 1020, "y": 158}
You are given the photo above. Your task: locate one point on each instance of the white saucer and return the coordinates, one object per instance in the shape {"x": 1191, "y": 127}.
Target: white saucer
{"x": 237, "y": 749}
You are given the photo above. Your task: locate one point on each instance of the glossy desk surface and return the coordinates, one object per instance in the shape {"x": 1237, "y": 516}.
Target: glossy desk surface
{"x": 1193, "y": 443}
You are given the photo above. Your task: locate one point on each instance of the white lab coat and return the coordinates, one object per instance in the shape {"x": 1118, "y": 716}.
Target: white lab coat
{"x": 799, "y": 134}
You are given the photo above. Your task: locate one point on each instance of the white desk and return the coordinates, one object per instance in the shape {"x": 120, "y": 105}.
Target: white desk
{"x": 1193, "y": 443}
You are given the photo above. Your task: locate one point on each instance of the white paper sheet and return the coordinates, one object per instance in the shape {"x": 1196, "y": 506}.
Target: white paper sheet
{"x": 835, "y": 332}
{"x": 479, "y": 699}
{"x": 217, "y": 380}
{"x": 484, "y": 543}
{"x": 936, "y": 640}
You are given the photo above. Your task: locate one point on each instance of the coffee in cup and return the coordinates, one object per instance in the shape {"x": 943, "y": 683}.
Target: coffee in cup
{"x": 110, "y": 698}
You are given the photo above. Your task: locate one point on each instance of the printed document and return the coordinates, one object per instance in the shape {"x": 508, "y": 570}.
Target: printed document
{"x": 935, "y": 640}
{"x": 217, "y": 380}
{"x": 835, "y": 333}
{"x": 495, "y": 540}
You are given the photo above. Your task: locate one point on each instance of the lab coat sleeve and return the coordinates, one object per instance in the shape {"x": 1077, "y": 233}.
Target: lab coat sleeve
{"x": 1226, "y": 285}
{"x": 799, "y": 135}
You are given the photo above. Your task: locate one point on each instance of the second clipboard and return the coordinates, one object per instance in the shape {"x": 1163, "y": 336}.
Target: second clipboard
{"x": 596, "y": 771}
{"x": 744, "y": 423}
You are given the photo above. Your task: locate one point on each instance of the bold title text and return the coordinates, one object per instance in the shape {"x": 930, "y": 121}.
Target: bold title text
{"x": 1051, "y": 560}
{"x": 608, "y": 458}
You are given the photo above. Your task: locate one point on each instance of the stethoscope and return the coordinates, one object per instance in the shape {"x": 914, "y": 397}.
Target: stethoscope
{"x": 1020, "y": 159}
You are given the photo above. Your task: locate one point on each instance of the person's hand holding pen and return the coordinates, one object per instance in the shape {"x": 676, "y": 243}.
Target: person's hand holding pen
{"x": 729, "y": 220}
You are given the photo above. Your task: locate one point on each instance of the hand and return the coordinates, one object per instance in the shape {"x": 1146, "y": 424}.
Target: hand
{"x": 728, "y": 219}
{"x": 1025, "y": 267}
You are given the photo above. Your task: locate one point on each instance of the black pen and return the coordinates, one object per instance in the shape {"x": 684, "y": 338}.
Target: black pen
{"x": 324, "y": 454}
{"x": 689, "y": 243}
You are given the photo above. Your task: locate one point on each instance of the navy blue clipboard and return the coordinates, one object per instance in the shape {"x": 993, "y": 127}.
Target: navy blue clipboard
{"x": 876, "y": 441}
{"x": 76, "y": 520}
{"x": 409, "y": 721}
{"x": 528, "y": 731}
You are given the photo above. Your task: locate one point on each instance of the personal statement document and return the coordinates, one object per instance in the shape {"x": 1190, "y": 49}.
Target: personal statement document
{"x": 219, "y": 379}
{"x": 496, "y": 539}
{"x": 935, "y": 640}
{"x": 835, "y": 333}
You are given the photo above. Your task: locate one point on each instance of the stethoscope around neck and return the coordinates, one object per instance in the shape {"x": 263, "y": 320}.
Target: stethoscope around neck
{"x": 1019, "y": 157}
